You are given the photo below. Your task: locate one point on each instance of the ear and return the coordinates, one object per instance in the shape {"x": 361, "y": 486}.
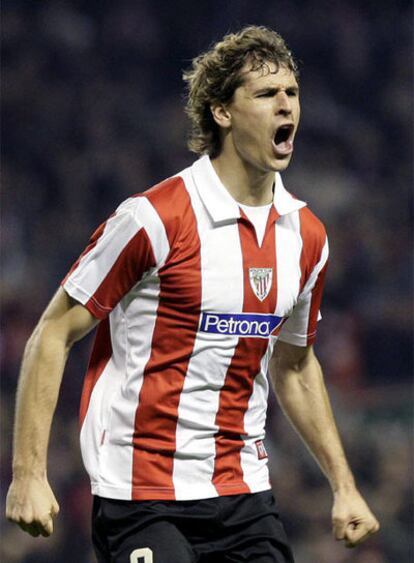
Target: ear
{"x": 221, "y": 115}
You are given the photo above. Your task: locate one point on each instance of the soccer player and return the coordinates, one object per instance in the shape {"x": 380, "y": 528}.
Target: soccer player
{"x": 201, "y": 286}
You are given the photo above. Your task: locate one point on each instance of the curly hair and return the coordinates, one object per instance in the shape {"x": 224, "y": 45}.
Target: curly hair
{"x": 215, "y": 75}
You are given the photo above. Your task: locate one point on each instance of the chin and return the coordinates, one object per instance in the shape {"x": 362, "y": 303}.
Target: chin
{"x": 281, "y": 164}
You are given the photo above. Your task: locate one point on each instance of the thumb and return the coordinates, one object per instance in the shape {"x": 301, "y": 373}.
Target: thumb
{"x": 353, "y": 535}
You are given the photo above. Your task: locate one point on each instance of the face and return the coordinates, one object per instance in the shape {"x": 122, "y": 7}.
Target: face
{"x": 262, "y": 118}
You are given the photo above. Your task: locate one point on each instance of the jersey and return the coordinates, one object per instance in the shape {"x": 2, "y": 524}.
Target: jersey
{"x": 175, "y": 396}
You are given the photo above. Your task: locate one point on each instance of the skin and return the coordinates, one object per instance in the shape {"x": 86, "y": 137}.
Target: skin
{"x": 246, "y": 167}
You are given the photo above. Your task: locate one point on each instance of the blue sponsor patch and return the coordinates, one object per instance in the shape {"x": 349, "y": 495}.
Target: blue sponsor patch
{"x": 240, "y": 324}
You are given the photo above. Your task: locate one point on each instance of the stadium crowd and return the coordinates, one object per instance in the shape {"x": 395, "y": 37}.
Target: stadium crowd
{"x": 92, "y": 111}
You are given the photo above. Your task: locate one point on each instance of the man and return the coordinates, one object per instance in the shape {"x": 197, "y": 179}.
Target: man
{"x": 201, "y": 286}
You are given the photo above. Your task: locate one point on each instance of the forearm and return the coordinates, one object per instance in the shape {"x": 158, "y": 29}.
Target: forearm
{"x": 30, "y": 500}
{"x": 62, "y": 324}
{"x": 302, "y": 394}
{"x": 40, "y": 378}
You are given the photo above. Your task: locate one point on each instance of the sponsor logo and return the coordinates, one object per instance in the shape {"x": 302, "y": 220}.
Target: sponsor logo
{"x": 261, "y": 450}
{"x": 261, "y": 281}
{"x": 241, "y": 324}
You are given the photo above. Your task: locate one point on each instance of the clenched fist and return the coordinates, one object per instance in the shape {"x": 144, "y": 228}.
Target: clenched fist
{"x": 32, "y": 505}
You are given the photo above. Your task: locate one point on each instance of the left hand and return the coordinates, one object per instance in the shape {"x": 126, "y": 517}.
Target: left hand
{"x": 353, "y": 522}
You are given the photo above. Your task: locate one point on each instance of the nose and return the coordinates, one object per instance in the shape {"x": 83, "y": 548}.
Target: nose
{"x": 283, "y": 105}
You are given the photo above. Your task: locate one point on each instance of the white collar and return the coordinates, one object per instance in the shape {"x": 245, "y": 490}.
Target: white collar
{"x": 221, "y": 205}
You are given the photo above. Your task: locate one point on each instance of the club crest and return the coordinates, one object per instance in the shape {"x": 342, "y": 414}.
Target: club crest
{"x": 261, "y": 281}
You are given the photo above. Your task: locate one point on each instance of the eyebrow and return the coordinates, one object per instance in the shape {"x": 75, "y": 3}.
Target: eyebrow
{"x": 265, "y": 89}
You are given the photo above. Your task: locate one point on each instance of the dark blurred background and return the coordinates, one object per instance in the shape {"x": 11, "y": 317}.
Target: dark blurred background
{"x": 92, "y": 112}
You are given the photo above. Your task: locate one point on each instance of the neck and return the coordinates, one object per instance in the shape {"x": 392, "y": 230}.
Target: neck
{"x": 246, "y": 184}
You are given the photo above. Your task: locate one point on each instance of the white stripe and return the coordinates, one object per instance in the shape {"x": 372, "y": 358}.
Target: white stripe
{"x": 93, "y": 425}
{"x": 155, "y": 230}
{"x": 222, "y": 290}
{"x": 288, "y": 251}
{"x": 116, "y": 454}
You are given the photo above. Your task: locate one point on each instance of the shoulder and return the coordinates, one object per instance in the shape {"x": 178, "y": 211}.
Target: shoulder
{"x": 164, "y": 209}
{"x": 167, "y": 198}
{"x": 170, "y": 187}
{"x": 315, "y": 248}
{"x": 311, "y": 227}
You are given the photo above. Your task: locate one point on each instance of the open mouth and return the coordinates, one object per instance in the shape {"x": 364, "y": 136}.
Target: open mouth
{"x": 283, "y": 139}
{"x": 283, "y": 134}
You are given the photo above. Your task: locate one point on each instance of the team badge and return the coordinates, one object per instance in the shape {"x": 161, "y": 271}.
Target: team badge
{"x": 261, "y": 281}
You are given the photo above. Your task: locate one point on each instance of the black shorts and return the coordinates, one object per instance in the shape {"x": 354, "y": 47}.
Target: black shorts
{"x": 229, "y": 529}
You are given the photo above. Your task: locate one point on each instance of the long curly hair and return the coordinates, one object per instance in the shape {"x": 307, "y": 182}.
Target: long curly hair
{"x": 214, "y": 76}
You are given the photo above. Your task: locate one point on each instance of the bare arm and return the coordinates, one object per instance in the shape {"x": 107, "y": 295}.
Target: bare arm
{"x": 30, "y": 500}
{"x": 298, "y": 382}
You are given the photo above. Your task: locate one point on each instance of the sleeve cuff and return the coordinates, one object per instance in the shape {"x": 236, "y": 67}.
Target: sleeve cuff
{"x": 89, "y": 302}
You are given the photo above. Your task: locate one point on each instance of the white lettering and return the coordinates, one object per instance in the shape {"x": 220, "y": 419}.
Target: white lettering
{"x": 244, "y": 327}
{"x": 264, "y": 328}
{"x": 222, "y": 326}
{"x": 211, "y": 320}
{"x": 232, "y": 326}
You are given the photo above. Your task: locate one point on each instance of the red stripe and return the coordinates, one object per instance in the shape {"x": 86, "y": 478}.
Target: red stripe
{"x": 101, "y": 354}
{"x": 316, "y": 304}
{"x": 313, "y": 239}
{"x": 136, "y": 258}
{"x": 172, "y": 345}
{"x": 245, "y": 365}
{"x": 313, "y": 236}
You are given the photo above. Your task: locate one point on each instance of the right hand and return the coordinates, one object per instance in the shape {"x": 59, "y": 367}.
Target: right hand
{"x": 32, "y": 505}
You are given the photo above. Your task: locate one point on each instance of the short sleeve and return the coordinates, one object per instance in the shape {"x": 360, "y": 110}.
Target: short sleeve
{"x": 300, "y": 327}
{"x": 119, "y": 254}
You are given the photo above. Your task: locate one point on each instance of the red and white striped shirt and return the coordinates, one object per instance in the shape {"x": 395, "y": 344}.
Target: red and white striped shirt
{"x": 174, "y": 400}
